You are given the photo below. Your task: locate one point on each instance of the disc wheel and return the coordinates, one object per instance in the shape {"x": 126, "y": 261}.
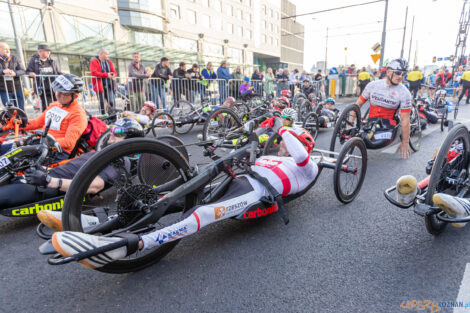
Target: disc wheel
{"x": 458, "y": 141}
{"x": 119, "y": 197}
{"x": 312, "y": 125}
{"x": 350, "y": 170}
{"x": 162, "y": 124}
{"x": 347, "y": 126}
{"x": 181, "y": 112}
{"x": 415, "y": 130}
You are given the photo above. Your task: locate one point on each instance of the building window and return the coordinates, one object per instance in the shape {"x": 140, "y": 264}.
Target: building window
{"x": 191, "y": 17}
{"x": 184, "y": 44}
{"x": 271, "y": 27}
{"x": 230, "y": 10}
{"x": 277, "y": 15}
{"x": 277, "y": 42}
{"x": 240, "y": 14}
{"x": 271, "y": 40}
{"x": 217, "y": 5}
{"x": 149, "y": 39}
{"x": 175, "y": 11}
{"x": 211, "y": 49}
{"x": 248, "y": 33}
{"x": 263, "y": 9}
{"x": 77, "y": 28}
{"x": 235, "y": 55}
{"x": 263, "y": 39}
{"x": 249, "y": 18}
{"x": 217, "y": 22}
{"x": 271, "y": 12}
{"x": 206, "y": 21}
{"x": 230, "y": 28}
{"x": 240, "y": 31}
{"x": 206, "y": 3}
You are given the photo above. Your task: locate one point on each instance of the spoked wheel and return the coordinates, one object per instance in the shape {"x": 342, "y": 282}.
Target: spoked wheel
{"x": 451, "y": 163}
{"x": 182, "y": 112}
{"x": 220, "y": 125}
{"x": 415, "y": 130}
{"x": 162, "y": 124}
{"x": 242, "y": 110}
{"x": 350, "y": 170}
{"x": 304, "y": 109}
{"x": 117, "y": 205}
{"x": 273, "y": 145}
{"x": 311, "y": 124}
{"x": 298, "y": 99}
{"x": 347, "y": 126}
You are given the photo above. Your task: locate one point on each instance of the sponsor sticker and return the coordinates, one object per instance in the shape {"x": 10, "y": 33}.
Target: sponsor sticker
{"x": 387, "y": 135}
{"x": 64, "y": 82}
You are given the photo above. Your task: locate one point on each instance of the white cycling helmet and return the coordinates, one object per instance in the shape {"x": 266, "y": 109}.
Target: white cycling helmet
{"x": 290, "y": 113}
{"x": 398, "y": 64}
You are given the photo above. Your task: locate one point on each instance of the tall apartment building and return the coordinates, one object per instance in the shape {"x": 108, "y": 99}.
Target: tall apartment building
{"x": 244, "y": 32}
{"x": 292, "y": 38}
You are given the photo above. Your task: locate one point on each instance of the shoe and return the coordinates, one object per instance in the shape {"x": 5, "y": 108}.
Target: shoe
{"x": 53, "y": 219}
{"x": 429, "y": 166}
{"x": 407, "y": 188}
{"x": 453, "y": 206}
{"x": 69, "y": 243}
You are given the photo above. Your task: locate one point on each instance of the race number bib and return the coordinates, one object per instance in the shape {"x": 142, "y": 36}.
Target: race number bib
{"x": 56, "y": 115}
{"x": 387, "y": 135}
{"x": 64, "y": 82}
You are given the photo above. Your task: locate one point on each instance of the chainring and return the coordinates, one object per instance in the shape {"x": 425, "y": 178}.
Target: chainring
{"x": 126, "y": 210}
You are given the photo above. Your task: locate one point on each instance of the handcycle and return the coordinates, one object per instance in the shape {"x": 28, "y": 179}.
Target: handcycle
{"x": 141, "y": 208}
{"x": 376, "y": 133}
{"x": 310, "y": 117}
{"x": 449, "y": 174}
{"x": 442, "y": 109}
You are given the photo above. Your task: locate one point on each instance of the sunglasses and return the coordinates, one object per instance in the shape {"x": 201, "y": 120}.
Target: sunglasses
{"x": 287, "y": 118}
{"x": 119, "y": 131}
{"x": 400, "y": 73}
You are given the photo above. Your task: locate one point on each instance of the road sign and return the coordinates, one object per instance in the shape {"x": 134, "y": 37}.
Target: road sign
{"x": 447, "y": 58}
{"x": 375, "y": 57}
{"x": 376, "y": 48}
{"x": 439, "y": 59}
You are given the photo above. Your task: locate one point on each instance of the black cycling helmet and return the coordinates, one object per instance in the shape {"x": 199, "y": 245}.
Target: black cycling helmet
{"x": 128, "y": 128}
{"x": 68, "y": 83}
{"x": 398, "y": 65}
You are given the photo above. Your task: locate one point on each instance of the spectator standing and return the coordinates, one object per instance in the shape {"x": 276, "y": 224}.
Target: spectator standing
{"x": 443, "y": 77}
{"x": 257, "y": 81}
{"x": 293, "y": 80}
{"x": 137, "y": 74}
{"x": 282, "y": 79}
{"x": 194, "y": 77}
{"x": 363, "y": 79}
{"x": 10, "y": 71}
{"x": 465, "y": 80}
{"x": 162, "y": 73}
{"x": 305, "y": 76}
{"x": 42, "y": 68}
{"x": 269, "y": 82}
{"x": 318, "y": 76}
{"x": 104, "y": 74}
{"x": 180, "y": 83}
{"x": 224, "y": 76}
{"x": 457, "y": 84}
{"x": 415, "y": 79}
{"x": 235, "y": 86}
{"x": 207, "y": 75}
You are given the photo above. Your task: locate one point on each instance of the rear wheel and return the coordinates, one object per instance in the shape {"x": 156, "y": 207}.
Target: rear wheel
{"x": 181, "y": 112}
{"x": 350, "y": 170}
{"x": 451, "y": 161}
{"x": 311, "y": 124}
{"x": 304, "y": 109}
{"x": 415, "y": 130}
{"x": 347, "y": 126}
{"x": 162, "y": 124}
{"x": 118, "y": 201}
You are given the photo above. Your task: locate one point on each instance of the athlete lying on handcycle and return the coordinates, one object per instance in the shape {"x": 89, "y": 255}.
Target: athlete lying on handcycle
{"x": 269, "y": 177}
{"x": 144, "y": 117}
{"x": 37, "y": 186}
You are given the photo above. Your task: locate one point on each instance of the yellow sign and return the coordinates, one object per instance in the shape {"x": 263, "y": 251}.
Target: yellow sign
{"x": 376, "y": 57}
{"x": 376, "y": 47}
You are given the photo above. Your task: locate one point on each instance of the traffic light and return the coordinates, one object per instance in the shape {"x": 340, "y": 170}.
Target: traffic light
{"x": 451, "y": 58}
{"x": 433, "y": 59}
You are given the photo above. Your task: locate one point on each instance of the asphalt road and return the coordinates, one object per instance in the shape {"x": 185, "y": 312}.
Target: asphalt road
{"x": 367, "y": 256}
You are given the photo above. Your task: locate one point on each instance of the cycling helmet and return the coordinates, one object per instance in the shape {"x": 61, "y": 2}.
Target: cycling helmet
{"x": 289, "y": 113}
{"x": 286, "y": 93}
{"x": 231, "y": 100}
{"x": 304, "y": 137}
{"x": 246, "y": 79}
{"x": 331, "y": 100}
{"x": 67, "y": 83}
{"x": 283, "y": 100}
{"x": 128, "y": 128}
{"x": 398, "y": 64}
{"x": 151, "y": 105}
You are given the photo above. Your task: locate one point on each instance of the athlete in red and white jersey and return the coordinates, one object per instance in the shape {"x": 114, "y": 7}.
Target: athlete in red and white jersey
{"x": 287, "y": 174}
{"x": 386, "y": 96}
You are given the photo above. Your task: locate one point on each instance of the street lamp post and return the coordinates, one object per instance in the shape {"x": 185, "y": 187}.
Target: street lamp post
{"x": 384, "y": 32}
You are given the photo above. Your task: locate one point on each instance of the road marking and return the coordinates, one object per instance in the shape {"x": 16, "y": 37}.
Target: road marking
{"x": 464, "y": 291}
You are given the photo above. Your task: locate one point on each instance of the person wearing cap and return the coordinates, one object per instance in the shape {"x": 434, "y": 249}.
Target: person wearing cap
{"x": 137, "y": 74}
{"x": 194, "y": 78}
{"x": 144, "y": 116}
{"x": 103, "y": 79}
{"x": 180, "y": 85}
{"x": 161, "y": 75}
{"x": 11, "y": 69}
{"x": 223, "y": 73}
{"x": 43, "y": 68}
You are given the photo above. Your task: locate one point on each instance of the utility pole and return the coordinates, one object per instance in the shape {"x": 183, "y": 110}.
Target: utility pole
{"x": 404, "y": 33}
{"x": 384, "y": 32}
{"x": 326, "y": 50}
{"x": 19, "y": 48}
{"x": 411, "y": 39}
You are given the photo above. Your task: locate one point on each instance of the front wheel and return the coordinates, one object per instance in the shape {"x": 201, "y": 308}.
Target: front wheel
{"x": 415, "y": 130}
{"x": 350, "y": 170}
{"x": 347, "y": 126}
{"x": 162, "y": 124}
{"x": 312, "y": 125}
{"x": 183, "y": 113}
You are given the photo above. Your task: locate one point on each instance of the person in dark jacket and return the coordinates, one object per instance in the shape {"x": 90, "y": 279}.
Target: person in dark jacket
{"x": 195, "y": 77}
{"x": 11, "y": 69}
{"x": 104, "y": 75}
{"x": 161, "y": 75}
{"x": 224, "y": 76}
{"x": 43, "y": 68}
{"x": 180, "y": 85}
{"x": 137, "y": 74}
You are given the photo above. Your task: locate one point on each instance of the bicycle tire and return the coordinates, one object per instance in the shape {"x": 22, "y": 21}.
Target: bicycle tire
{"x": 73, "y": 200}
{"x": 168, "y": 117}
{"x": 272, "y": 145}
{"x": 227, "y": 112}
{"x": 312, "y": 129}
{"x": 433, "y": 225}
{"x": 349, "y": 146}
{"x": 341, "y": 122}
{"x": 181, "y": 114}
{"x": 415, "y": 127}
{"x": 102, "y": 141}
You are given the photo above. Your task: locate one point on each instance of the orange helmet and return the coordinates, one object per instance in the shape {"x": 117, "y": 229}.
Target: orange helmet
{"x": 304, "y": 137}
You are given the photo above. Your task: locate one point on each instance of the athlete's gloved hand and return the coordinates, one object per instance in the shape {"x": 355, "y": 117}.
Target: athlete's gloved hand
{"x": 37, "y": 177}
{"x": 277, "y": 124}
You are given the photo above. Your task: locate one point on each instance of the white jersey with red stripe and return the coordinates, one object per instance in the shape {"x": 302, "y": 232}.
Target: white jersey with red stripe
{"x": 288, "y": 175}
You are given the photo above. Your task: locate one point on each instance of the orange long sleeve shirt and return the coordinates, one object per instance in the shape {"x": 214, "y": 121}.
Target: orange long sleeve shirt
{"x": 68, "y": 123}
